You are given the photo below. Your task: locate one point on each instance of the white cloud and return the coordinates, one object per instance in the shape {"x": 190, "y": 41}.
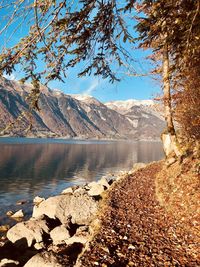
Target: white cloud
{"x": 93, "y": 85}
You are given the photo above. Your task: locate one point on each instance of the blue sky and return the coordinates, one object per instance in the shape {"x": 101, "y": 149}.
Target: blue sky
{"x": 127, "y": 88}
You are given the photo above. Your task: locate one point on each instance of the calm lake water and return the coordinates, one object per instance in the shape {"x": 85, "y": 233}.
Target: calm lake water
{"x": 44, "y": 167}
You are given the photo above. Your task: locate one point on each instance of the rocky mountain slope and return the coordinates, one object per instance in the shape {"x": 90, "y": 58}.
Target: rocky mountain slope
{"x": 73, "y": 116}
{"x": 144, "y": 115}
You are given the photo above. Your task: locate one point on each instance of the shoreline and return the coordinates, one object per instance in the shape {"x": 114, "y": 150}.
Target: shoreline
{"x": 123, "y": 220}
{"x": 80, "y": 139}
{"x": 93, "y": 193}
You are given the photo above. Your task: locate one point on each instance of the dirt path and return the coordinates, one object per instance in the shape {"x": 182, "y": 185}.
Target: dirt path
{"x": 136, "y": 231}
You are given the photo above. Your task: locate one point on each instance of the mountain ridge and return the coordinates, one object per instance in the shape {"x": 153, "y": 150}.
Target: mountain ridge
{"x": 74, "y": 116}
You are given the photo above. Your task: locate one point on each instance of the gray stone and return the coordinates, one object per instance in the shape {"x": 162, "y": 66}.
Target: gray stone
{"x": 44, "y": 259}
{"x": 80, "y": 207}
{"x": 30, "y": 231}
{"x": 48, "y": 207}
{"x": 59, "y": 234}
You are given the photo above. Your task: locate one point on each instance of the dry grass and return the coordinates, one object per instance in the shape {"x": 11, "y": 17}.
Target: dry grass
{"x": 178, "y": 191}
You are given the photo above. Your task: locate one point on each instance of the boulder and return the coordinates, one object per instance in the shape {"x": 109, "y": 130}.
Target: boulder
{"x": 109, "y": 178}
{"x": 95, "y": 189}
{"x": 80, "y": 207}
{"x": 76, "y": 239}
{"x": 8, "y": 263}
{"x": 44, "y": 259}
{"x": 18, "y": 214}
{"x": 103, "y": 181}
{"x": 68, "y": 190}
{"x": 59, "y": 234}
{"x": 30, "y": 232}
{"x": 37, "y": 200}
{"x": 80, "y": 191}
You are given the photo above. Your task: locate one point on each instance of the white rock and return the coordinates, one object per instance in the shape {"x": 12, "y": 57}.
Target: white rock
{"x": 68, "y": 190}
{"x": 44, "y": 259}
{"x": 7, "y": 262}
{"x": 48, "y": 207}
{"x": 31, "y": 231}
{"x": 104, "y": 182}
{"x": 37, "y": 200}
{"x": 59, "y": 234}
{"x": 39, "y": 246}
{"x": 170, "y": 161}
{"x": 80, "y": 191}
{"x": 95, "y": 189}
{"x": 90, "y": 185}
{"x": 110, "y": 178}
{"x": 80, "y": 207}
{"x": 76, "y": 239}
{"x": 18, "y": 214}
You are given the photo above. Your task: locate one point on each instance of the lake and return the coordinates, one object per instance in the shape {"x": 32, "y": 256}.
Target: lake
{"x": 44, "y": 167}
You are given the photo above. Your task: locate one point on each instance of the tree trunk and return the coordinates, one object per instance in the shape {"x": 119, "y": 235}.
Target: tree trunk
{"x": 170, "y": 143}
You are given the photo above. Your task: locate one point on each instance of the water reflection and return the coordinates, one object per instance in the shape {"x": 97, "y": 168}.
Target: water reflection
{"x": 43, "y": 169}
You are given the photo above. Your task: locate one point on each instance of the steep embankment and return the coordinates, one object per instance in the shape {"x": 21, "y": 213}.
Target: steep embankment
{"x": 136, "y": 230}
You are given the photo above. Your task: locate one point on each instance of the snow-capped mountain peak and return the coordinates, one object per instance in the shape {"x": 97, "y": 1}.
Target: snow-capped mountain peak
{"x": 88, "y": 99}
{"x": 123, "y": 106}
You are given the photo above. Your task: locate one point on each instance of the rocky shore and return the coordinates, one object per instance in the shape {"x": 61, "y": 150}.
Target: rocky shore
{"x": 146, "y": 217}
{"x": 59, "y": 229}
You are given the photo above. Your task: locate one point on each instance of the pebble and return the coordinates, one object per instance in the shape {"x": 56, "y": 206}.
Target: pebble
{"x": 131, "y": 247}
{"x": 9, "y": 213}
{"x": 21, "y": 202}
{"x": 18, "y": 214}
{"x": 4, "y": 228}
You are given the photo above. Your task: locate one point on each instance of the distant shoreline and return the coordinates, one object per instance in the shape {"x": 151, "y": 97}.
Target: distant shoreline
{"x": 77, "y": 139}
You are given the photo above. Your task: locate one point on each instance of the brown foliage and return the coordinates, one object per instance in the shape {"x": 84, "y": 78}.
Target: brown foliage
{"x": 187, "y": 102}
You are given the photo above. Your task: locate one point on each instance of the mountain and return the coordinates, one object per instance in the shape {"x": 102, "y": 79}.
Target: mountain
{"x": 73, "y": 116}
{"x": 145, "y": 115}
{"x": 124, "y": 106}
